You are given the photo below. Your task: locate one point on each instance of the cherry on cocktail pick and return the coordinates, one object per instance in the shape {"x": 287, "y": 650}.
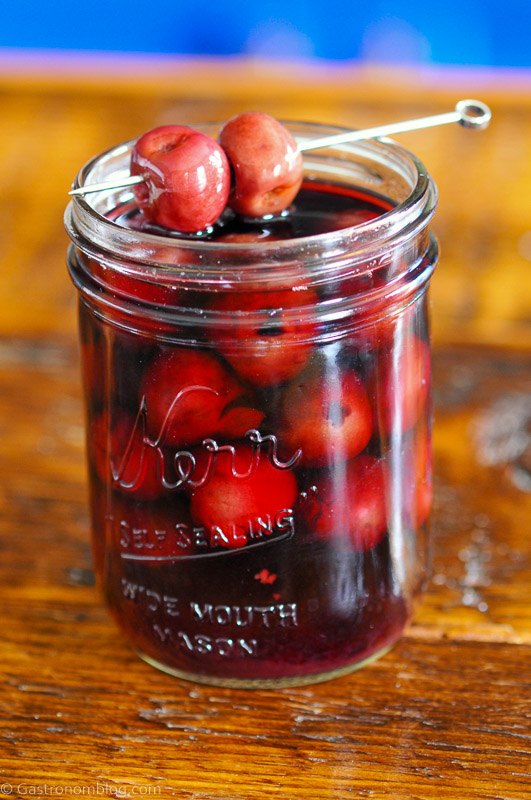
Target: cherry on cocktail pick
{"x": 472, "y": 114}
{"x": 185, "y": 177}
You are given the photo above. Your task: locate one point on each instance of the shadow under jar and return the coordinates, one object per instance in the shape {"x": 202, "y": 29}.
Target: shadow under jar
{"x": 258, "y": 419}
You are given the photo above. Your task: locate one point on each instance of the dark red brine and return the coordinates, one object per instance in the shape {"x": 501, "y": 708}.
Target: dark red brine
{"x": 258, "y": 421}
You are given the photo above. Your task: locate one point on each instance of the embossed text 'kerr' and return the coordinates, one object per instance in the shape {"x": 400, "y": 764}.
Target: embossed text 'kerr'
{"x": 180, "y": 468}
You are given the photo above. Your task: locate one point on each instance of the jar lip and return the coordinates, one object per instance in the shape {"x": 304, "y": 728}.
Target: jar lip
{"x": 92, "y": 230}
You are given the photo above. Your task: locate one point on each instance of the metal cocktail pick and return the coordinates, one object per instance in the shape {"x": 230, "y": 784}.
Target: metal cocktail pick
{"x": 469, "y": 113}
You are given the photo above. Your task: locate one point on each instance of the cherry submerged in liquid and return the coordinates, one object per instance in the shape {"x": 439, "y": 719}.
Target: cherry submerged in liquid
{"x": 256, "y": 562}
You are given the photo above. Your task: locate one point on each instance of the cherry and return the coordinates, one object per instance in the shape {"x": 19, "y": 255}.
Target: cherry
{"x": 271, "y": 352}
{"x": 399, "y": 384}
{"x": 351, "y": 504}
{"x": 136, "y": 288}
{"x": 122, "y": 458}
{"x": 229, "y": 504}
{"x": 326, "y": 414}
{"x": 190, "y": 395}
{"x": 186, "y": 178}
{"x": 266, "y": 164}
{"x": 123, "y": 286}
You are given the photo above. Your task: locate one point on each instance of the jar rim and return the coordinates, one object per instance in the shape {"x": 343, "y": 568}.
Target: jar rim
{"x": 222, "y": 264}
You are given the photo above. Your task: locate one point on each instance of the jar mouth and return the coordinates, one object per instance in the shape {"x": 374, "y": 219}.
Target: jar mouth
{"x": 379, "y": 165}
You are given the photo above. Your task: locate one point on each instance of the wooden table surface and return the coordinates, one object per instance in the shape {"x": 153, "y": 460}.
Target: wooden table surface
{"x": 446, "y": 714}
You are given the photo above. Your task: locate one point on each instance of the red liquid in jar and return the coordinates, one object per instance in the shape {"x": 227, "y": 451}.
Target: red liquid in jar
{"x": 288, "y": 559}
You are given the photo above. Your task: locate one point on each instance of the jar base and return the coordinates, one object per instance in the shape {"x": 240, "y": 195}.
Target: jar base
{"x": 265, "y": 683}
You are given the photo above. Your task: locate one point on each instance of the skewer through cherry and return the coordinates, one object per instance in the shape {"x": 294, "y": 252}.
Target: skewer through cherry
{"x": 183, "y": 179}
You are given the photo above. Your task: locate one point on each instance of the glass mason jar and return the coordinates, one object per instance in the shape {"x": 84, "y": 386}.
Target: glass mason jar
{"x": 258, "y": 425}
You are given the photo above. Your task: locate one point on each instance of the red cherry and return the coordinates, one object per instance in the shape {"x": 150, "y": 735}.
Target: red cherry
{"x": 190, "y": 396}
{"x": 351, "y": 505}
{"x": 136, "y": 288}
{"x": 271, "y": 352}
{"x": 230, "y": 506}
{"x": 266, "y": 164}
{"x": 130, "y": 287}
{"x": 186, "y": 178}
{"x": 400, "y": 384}
{"x": 326, "y": 414}
{"x": 123, "y": 459}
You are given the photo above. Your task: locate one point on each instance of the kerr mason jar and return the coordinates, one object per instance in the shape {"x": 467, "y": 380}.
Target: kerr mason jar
{"x": 258, "y": 424}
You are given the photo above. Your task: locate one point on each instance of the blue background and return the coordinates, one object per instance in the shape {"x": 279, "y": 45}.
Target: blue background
{"x": 473, "y": 32}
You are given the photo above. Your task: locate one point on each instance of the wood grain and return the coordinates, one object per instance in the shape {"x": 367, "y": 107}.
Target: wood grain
{"x": 446, "y": 714}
